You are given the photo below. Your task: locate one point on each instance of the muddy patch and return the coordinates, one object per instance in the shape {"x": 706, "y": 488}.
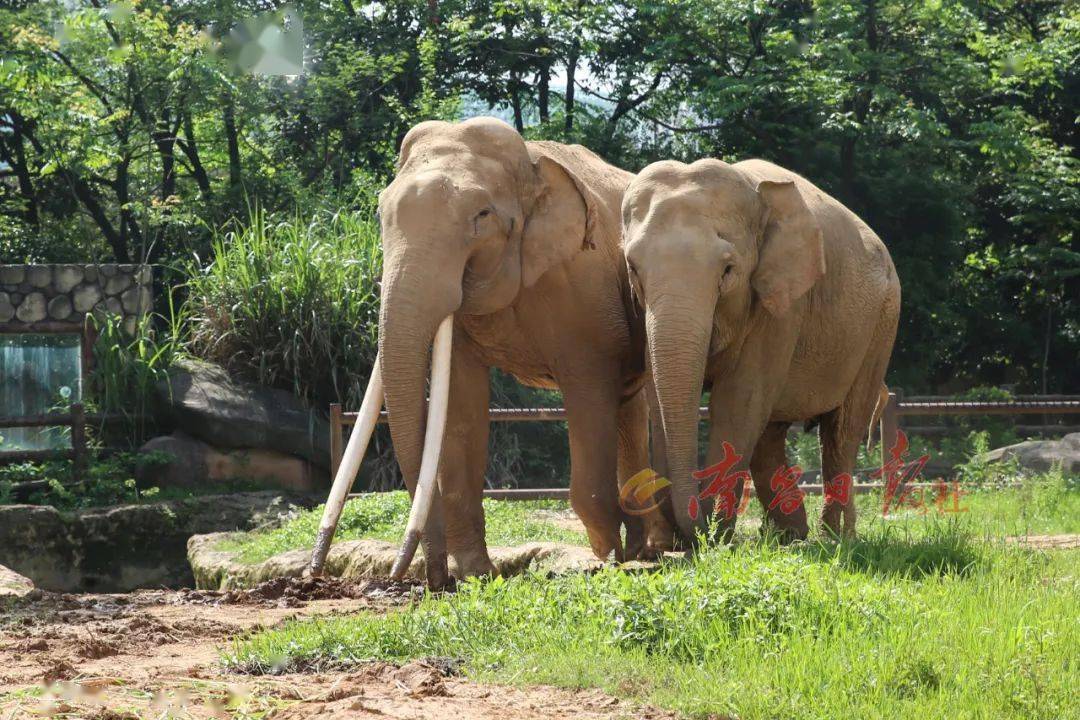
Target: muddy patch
{"x": 291, "y": 592}
{"x": 48, "y": 637}
{"x": 157, "y": 654}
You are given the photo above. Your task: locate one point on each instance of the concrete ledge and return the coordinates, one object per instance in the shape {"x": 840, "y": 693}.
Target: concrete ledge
{"x": 124, "y": 547}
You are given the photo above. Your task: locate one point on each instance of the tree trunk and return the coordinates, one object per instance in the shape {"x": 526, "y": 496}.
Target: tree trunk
{"x": 233, "y": 141}
{"x": 165, "y": 142}
{"x": 515, "y": 102}
{"x": 189, "y": 147}
{"x": 89, "y": 199}
{"x": 16, "y": 158}
{"x": 543, "y": 93}
{"x": 571, "y": 72}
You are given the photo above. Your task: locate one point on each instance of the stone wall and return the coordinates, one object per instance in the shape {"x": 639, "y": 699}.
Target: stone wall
{"x": 34, "y": 295}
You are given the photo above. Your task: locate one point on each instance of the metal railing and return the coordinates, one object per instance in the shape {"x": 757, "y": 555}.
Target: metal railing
{"x": 890, "y": 424}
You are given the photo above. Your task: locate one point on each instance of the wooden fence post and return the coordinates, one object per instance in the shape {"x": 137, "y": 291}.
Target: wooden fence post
{"x": 78, "y": 442}
{"x": 336, "y": 450}
{"x": 890, "y": 424}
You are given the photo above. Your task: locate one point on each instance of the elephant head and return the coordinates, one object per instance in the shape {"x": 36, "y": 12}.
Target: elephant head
{"x": 470, "y": 219}
{"x": 708, "y": 247}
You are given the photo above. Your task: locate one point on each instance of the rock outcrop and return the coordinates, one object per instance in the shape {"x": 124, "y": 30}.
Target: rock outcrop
{"x": 1041, "y": 455}
{"x": 217, "y": 569}
{"x": 179, "y": 460}
{"x": 12, "y": 584}
{"x": 202, "y": 401}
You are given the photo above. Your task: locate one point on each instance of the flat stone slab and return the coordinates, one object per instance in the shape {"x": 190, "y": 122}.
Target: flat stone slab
{"x": 358, "y": 559}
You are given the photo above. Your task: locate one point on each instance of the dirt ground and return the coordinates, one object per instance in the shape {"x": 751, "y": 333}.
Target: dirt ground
{"x": 155, "y": 653}
{"x": 1047, "y": 542}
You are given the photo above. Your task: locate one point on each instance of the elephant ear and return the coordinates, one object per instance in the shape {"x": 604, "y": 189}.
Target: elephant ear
{"x": 792, "y": 255}
{"x": 560, "y": 221}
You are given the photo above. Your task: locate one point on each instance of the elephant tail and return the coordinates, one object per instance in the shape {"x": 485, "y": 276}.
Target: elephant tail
{"x": 875, "y": 419}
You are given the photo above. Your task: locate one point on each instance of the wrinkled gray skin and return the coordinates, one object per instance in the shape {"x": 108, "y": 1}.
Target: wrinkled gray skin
{"x": 520, "y": 241}
{"x": 758, "y": 285}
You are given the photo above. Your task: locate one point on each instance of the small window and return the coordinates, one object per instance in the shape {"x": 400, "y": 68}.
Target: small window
{"x": 39, "y": 373}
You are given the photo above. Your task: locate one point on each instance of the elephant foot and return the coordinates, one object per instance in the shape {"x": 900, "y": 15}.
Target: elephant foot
{"x": 785, "y": 535}
{"x": 473, "y": 563}
{"x": 438, "y": 573}
{"x": 830, "y": 522}
{"x": 786, "y": 529}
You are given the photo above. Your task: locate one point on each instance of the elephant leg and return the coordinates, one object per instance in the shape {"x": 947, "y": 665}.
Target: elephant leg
{"x": 650, "y": 534}
{"x": 843, "y": 429}
{"x": 591, "y": 411}
{"x": 770, "y": 455}
{"x": 464, "y": 461}
{"x": 742, "y": 400}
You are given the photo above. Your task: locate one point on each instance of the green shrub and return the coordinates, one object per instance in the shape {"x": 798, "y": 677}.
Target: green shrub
{"x": 292, "y": 303}
{"x": 108, "y": 481}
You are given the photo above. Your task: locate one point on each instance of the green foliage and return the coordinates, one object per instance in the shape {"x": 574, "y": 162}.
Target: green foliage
{"x": 292, "y": 303}
{"x": 904, "y": 626}
{"x": 949, "y": 126}
{"x": 108, "y": 481}
{"x": 382, "y": 516}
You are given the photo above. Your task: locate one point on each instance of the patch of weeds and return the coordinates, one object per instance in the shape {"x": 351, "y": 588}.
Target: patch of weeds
{"x": 914, "y": 676}
{"x": 108, "y": 480}
{"x": 938, "y": 548}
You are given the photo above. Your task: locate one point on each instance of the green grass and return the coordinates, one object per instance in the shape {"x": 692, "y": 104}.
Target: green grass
{"x": 382, "y": 516}
{"x": 1046, "y": 504}
{"x": 896, "y": 625}
{"x": 925, "y": 616}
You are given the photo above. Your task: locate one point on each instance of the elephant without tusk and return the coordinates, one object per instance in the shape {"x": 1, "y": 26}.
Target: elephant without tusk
{"x": 759, "y": 287}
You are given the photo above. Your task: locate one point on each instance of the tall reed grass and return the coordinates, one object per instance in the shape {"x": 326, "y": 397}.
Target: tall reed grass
{"x": 292, "y": 303}
{"x": 127, "y": 366}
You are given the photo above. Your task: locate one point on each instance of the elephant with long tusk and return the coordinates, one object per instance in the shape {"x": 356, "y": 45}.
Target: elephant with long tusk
{"x": 504, "y": 253}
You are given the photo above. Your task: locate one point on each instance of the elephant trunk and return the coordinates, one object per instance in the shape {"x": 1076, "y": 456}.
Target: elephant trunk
{"x": 414, "y": 302}
{"x": 679, "y": 332}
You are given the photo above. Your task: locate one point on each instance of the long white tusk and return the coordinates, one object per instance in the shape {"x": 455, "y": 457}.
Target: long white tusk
{"x": 350, "y": 464}
{"x": 433, "y": 439}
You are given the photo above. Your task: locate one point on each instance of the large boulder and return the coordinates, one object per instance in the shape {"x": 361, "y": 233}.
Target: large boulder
{"x": 1041, "y": 455}
{"x": 179, "y": 460}
{"x": 203, "y": 401}
{"x": 124, "y": 547}
{"x": 14, "y": 584}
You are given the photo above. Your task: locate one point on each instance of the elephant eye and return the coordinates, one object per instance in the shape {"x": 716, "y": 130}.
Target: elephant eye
{"x": 727, "y": 277}
{"x": 483, "y": 213}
